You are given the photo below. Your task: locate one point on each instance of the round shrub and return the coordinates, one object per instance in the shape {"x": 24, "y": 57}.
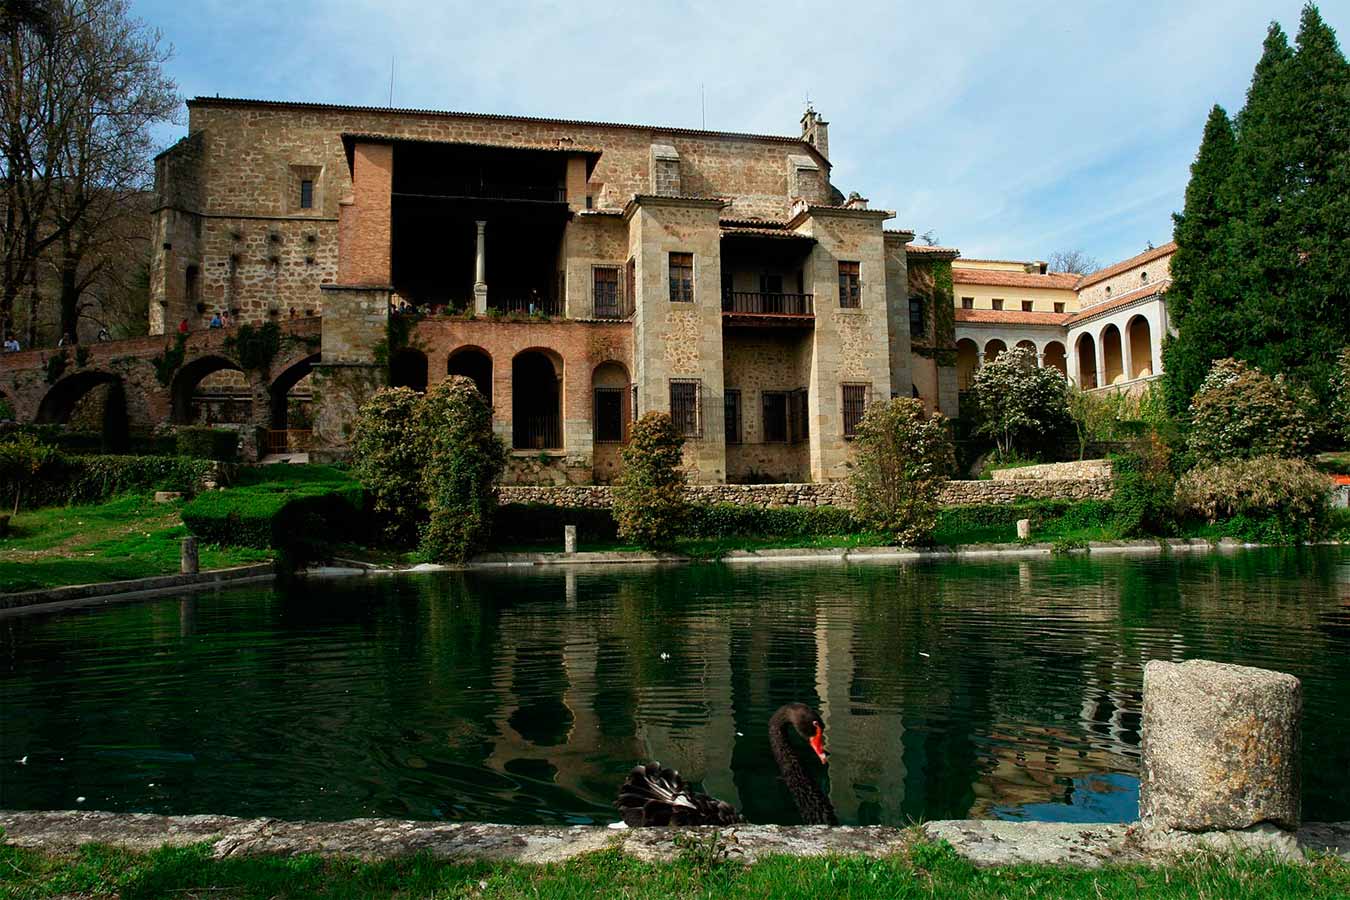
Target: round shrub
{"x": 1143, "y": 490}
{"x": 1022, "y": 407}
{"x": 462, "y": 461}
{"x": 1267, "y": 497}
{"x": 387, "y": 460}
{"x": 1242, "y": 413}
{"x": 902, "y": 458}
{"x": 649, "y": 500}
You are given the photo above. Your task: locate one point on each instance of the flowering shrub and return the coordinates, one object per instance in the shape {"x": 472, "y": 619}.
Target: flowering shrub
{"x": 1021, "y": 406}
{"x": 902, "y": 457}
{"x": 387, "y": 461}
{"x": 1267, "y": 497}
{"x": 649, "y": 501}
{"x": 1240, "y": 412}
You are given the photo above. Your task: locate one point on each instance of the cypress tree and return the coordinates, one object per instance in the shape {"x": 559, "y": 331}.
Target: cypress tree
{"x": 1197, "y": 293}
{"x": 1262, "y": 267}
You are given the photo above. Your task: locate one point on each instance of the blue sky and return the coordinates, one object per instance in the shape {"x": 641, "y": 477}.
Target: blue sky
{"x": 1009, "y": 129}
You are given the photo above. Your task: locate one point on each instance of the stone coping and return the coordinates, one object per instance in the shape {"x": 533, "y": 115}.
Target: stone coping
{"x": 987, "y": 843}
{"x": 134, "y": 589}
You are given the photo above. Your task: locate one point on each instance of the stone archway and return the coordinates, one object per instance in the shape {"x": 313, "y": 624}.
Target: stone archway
{"x": 61, "y": 399}
{"x": 1113, "y": 357}
{"x": 189, "y": 378}
{"x": 993, "y": 349}
{"x": 1140, "y": 339}
{"x": 1086, "y": 351}
{"x": 536, "y": 401}
{"x": 473, "y": 363}
{"x": 280, "y": 388}
{"x": 1056, "y": 358}
{"x": 408, "y": 368}
{"x": 967, "y": 362}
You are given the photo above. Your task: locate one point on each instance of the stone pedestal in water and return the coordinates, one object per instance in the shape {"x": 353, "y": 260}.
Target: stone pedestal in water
{"x": 569, "y": 539}
{"x": 1220, "y": 747}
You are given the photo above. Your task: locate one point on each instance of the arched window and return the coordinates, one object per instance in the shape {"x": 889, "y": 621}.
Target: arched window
{"x": 536, "y": 402}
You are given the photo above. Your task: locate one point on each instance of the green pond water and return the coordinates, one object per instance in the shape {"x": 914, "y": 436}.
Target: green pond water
{"x": 999, "y": 689}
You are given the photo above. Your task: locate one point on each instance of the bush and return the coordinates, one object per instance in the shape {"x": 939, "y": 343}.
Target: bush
{"x": 387, "y": 460}
{"x": 22, "y": 460}
{"x": 729, "y": 520}
{"x": 1266, "y": 497}
{"x": 649, "y": 499}
{"x": 1143, "y": 495}
{"x": 1239, "y": 412}
{"x": 1340, "y": 397}
{"x": 902, "y": 459}
{"x": 463, "y": 460}
{"x": 198, "y": 442}
{"x": 300, "y": 512}
{"x": 1024, "y": 408}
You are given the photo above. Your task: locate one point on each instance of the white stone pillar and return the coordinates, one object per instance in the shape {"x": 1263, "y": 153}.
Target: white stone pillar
{"x": 480, "y": 272}
{"x": 1040, "y": 359}
{"x": 1127, "y": 353}
{"x": 1099, "y": 347}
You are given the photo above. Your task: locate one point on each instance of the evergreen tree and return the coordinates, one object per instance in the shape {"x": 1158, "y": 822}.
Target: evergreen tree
{"x": 1262, "y": 270}
{"x": 1199, "y": 290}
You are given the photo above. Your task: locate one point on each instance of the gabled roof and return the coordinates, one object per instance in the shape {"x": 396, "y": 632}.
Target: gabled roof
{"x": 1126, "y": 265}
{"x": 932, "y": 252}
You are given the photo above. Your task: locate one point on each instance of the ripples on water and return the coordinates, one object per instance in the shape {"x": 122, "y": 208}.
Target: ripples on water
{"x": 1005, "y": 690}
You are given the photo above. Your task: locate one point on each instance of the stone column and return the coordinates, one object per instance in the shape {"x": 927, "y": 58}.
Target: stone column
{"x": 188, "y": 557}
{"x": 1126, "y": 355}
{"x": 1040, "y": 359}
{"x": 1099, "y": 348}
{"x": 1220, "y": 747}
{"x": 480, "y": 272}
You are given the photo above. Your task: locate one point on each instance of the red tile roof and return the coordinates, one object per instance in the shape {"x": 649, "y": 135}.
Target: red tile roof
{"x": 1125, "y": 266}
{"x": 926, "y": 250}
{"x": 1055, "y": 280}
{"x": 1010, "y": 317}
{"x": 1143, "y": 293}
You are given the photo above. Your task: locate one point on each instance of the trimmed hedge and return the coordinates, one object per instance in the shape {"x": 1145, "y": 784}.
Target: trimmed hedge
{"x": 300, "y": 511}
{"x": 75, "y": 441}
{"x": 199, "y": 442}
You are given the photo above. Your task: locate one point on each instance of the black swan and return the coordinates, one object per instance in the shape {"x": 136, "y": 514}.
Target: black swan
{"x": 656, "y": 796}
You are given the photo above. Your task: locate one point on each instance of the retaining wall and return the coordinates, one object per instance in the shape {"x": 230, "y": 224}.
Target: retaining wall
{"x": 1078, "y": 470}
{"x": 954, "y": 493}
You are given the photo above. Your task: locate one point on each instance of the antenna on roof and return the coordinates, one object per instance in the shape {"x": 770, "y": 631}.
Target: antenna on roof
{"x": 391, "y": 79}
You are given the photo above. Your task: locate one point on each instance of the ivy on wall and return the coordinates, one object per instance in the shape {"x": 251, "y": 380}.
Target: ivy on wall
{"x": 256, "y": 347}
{"x": 167, "y": 363}
{"x": 933, "y": 281}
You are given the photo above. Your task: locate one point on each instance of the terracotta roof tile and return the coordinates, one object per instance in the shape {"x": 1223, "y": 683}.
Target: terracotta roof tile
{"x": 1055, "y": 280}
{"x": 1125, "y": 266}
{"x": 1010, "y": 317}
{"x": 926, "y": 250}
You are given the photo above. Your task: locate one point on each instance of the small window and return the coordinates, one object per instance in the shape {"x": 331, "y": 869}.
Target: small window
{"x": 682, "y": 277}
{"x": 731, "y": 410}
{"x": 855, "y": 404}
{"x": 605, "y": 287}
{"x": 998, "y": 303}
{"x": 307, "y": 193}
{"x": 1108, "y": 290}
{"x": 799, "y": 416}
{"x": 1143, "y": 276}
{"x": 850, "y": 285}
{"x": 590, "y": 201}
{"x": 967, "y": 302}
{"x": 775, "y": 416}
{"x": 1026, "y": 306}
{"x": 609, "y": 417}
{"x": 916, "y": 317}
{"x": 1059, "y": 307}
{"x": 685, "y": 411}
{"x": 191, "y": 283}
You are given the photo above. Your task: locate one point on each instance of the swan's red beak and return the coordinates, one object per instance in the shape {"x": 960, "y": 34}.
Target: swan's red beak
{"x": 818, "y": 745}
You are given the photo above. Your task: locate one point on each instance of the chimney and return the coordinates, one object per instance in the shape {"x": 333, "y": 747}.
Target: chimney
{"x": 816, "y": 131}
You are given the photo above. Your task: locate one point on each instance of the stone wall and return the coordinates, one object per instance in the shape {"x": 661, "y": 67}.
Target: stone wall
{"x": 1078, "y": 470}
{"x": 954, "y": 493}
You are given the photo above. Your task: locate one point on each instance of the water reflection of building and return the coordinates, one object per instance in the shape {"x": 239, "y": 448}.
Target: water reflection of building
{"x": 1027, "y": 764}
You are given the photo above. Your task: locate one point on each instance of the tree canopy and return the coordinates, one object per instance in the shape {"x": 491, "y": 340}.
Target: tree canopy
{"x": 1262, "y": 268}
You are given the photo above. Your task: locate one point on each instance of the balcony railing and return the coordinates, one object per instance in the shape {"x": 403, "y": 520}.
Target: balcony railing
{"x": 526, "y": 306}
{"x": 758, "y": 303}
{"x": 611, "y": 304}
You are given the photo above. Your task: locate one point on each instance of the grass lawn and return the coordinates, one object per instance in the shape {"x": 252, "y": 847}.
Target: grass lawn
{"x": 926, "y": 870}
{"x": 127, "y": 537}
{"x": 1337, "y": 463}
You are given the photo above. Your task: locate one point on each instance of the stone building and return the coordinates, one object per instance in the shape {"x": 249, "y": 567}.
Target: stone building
{"x": 1103, "y": 330}
{"x": 581, "y": 273}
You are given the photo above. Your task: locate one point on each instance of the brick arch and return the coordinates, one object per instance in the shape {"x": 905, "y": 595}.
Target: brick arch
{"x": 537, "y": 399}
{"x": 473, "y": 362}
{"x": 281, "y": 385}
{"x": 186, "y": 379}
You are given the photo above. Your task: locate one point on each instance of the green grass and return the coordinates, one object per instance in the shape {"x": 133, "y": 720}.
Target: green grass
{"x": 1337, "y": 463}
{"x": 926, "y": 870}
{"x": 127, "y": 537}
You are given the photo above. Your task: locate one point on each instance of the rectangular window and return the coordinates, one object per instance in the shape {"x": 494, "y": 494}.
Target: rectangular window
{"x": 850, "y": 285}
{"x": 682, "y": 277}
{"x": 606, "y": 292}
{"x": 307, "y": 194}
{"x": 774, "y": 408}
{"x": 731, "y": 409}
{"x": 685, "y": 408}
{"x": 1026, "y": 306}
{"x": 916, "y": 317}
{"x": 799, "y": 417}
{"x": 998, "y": 304}
{"x": 609, "y": 418}
{"x": 967, "y": 302}
{"x": 1059, "y": 307}
{"x": 855, "y": 403}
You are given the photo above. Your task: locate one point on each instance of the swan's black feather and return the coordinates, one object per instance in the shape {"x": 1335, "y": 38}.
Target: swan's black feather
{"x": 654, "y": 795}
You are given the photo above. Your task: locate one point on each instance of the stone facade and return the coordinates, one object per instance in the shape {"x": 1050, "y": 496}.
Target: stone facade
{"x": 587, "y": 272}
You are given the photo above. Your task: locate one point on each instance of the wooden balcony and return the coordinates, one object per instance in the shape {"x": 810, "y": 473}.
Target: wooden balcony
{"x": 761, "y": 308}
